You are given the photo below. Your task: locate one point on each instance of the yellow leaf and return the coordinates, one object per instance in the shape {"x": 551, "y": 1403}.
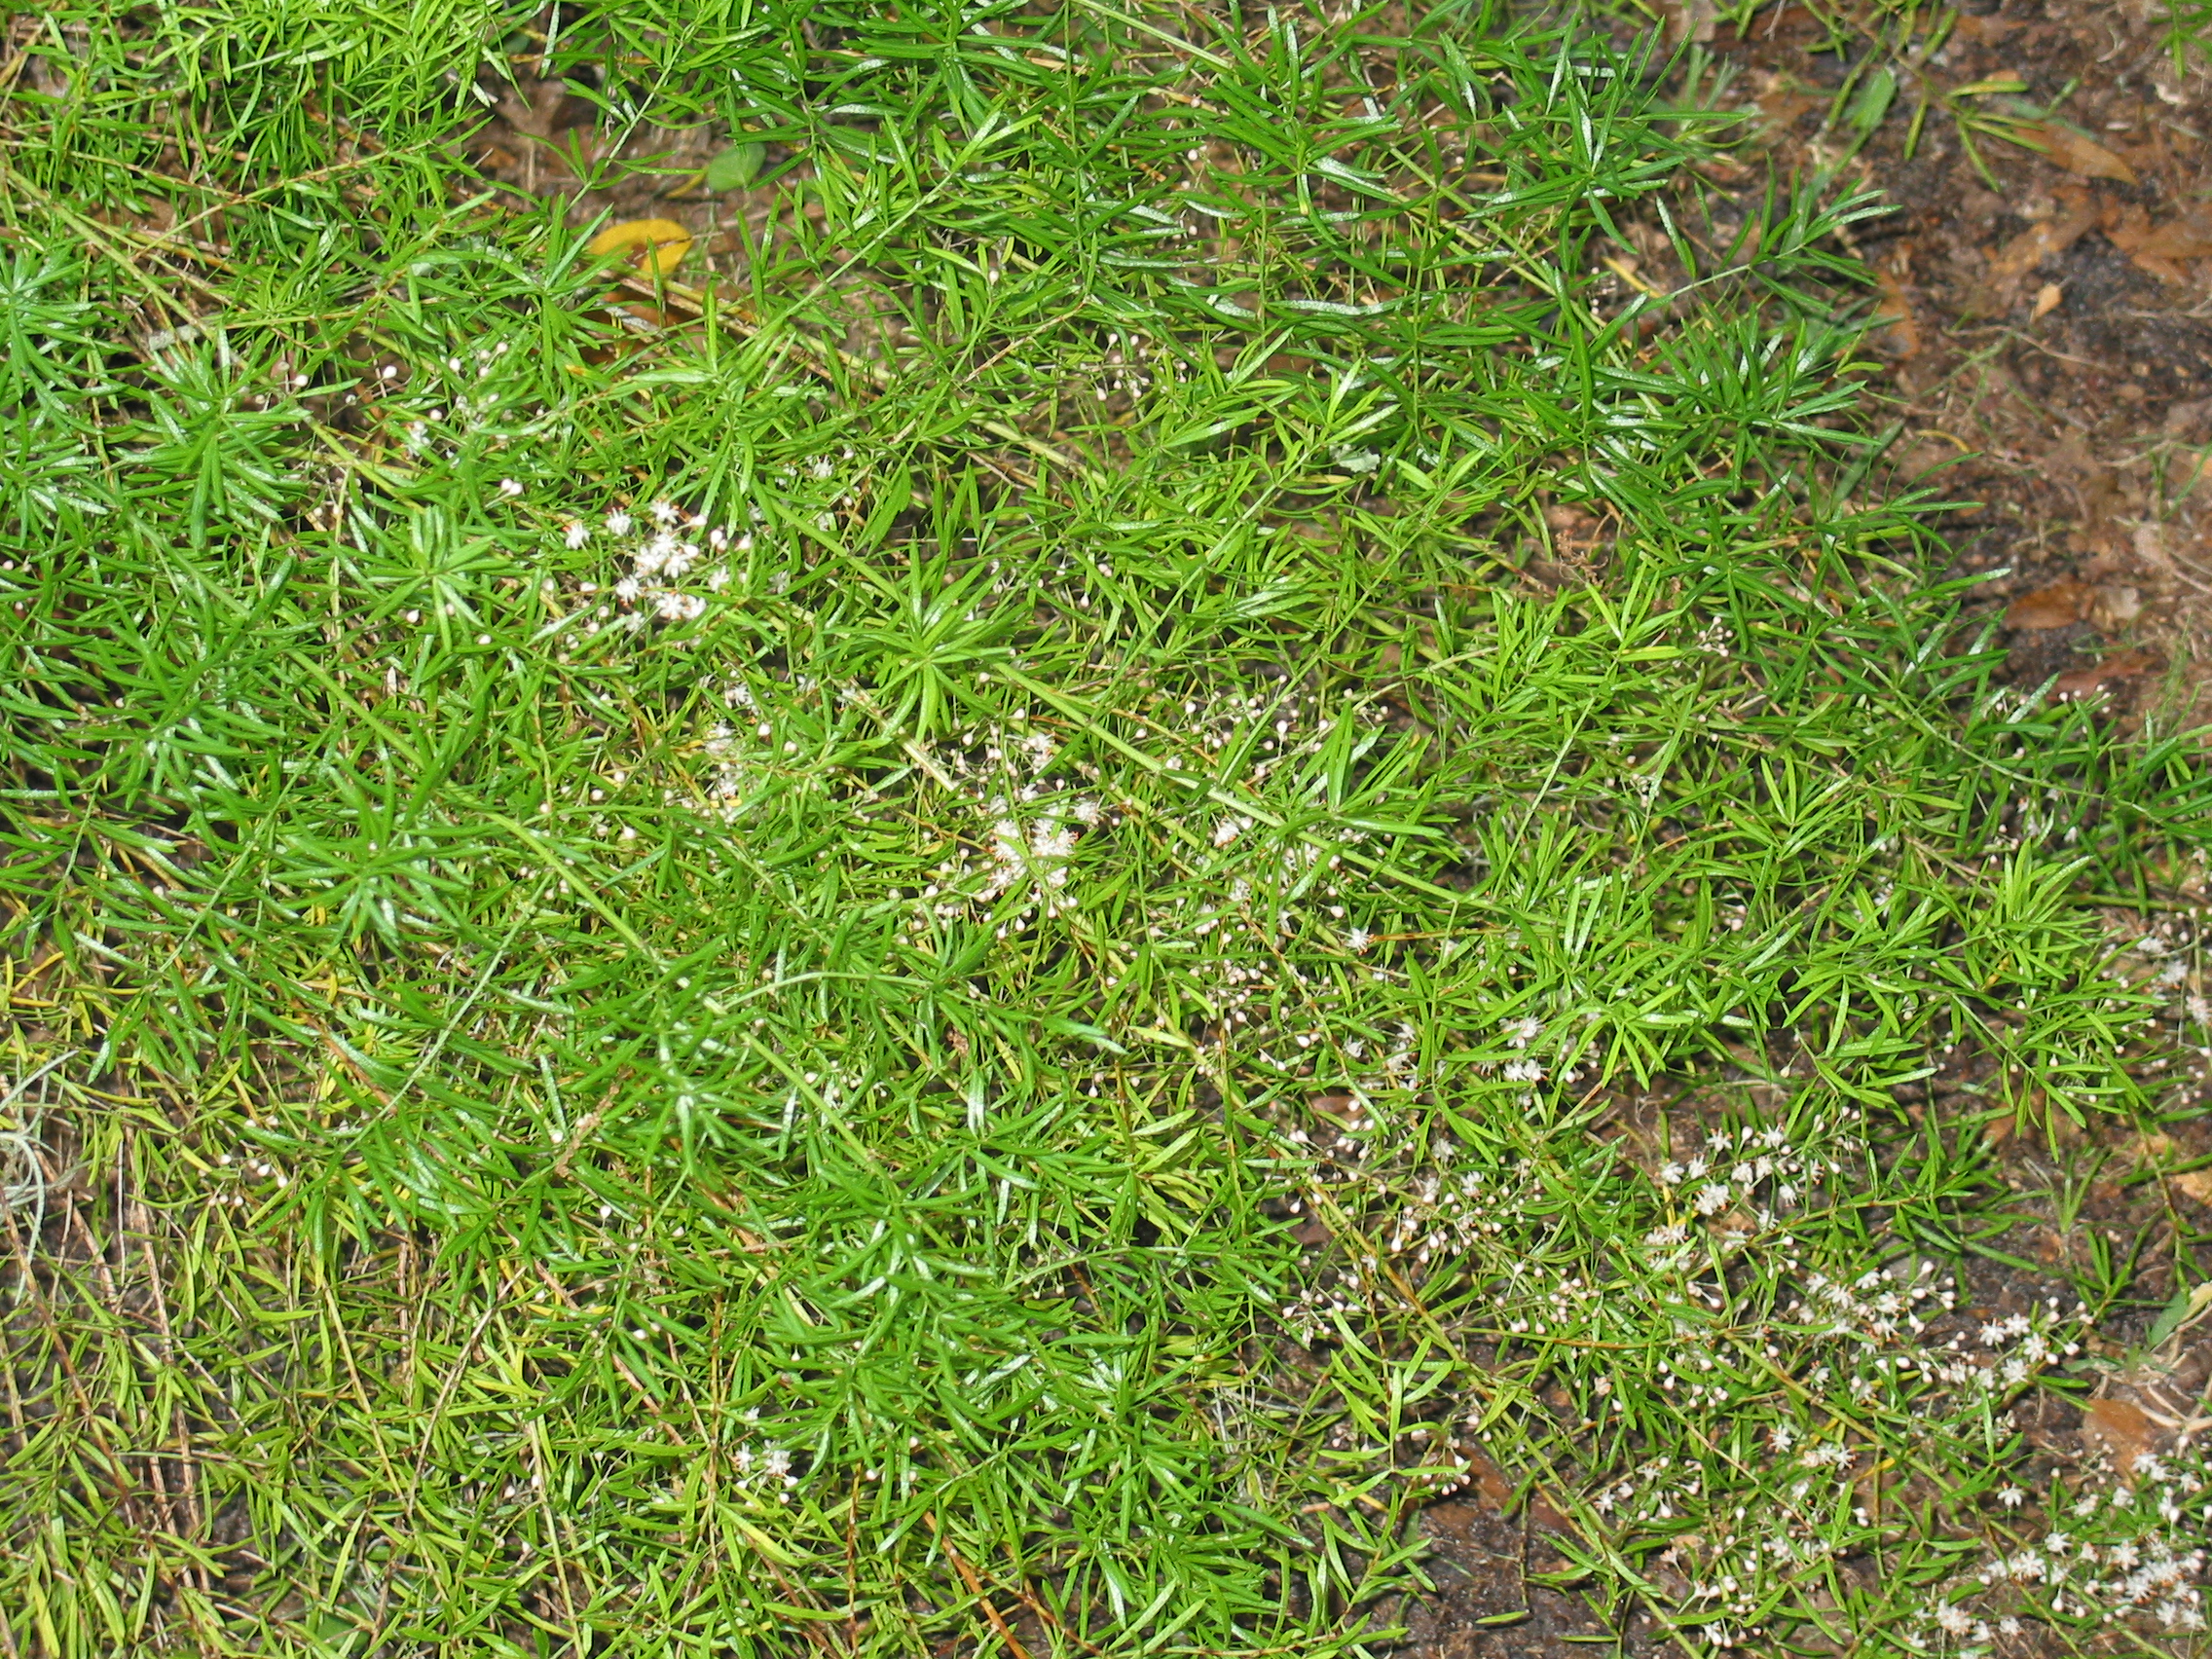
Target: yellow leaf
{"x": 664, "y": 240}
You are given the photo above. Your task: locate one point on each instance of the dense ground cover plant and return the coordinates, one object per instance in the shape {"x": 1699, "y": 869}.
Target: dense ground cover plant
{"x": 935, "y": 949}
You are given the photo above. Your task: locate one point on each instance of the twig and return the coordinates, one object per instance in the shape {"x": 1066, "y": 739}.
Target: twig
{"x": 975, "y": 1589}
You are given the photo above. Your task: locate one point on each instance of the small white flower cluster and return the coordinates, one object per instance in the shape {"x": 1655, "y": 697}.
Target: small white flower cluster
{"x": 1264, "y": 733}
{"x": 765, "y": 1468}
{"x": 1432, "y": 1219}
{"x": 2129, "y": 1555}
{"x": 1755, "y": 1167}
{"x": 246, "y": 1169}
{"x": 661, "y": 559}
{"x": 1025, "y": 824}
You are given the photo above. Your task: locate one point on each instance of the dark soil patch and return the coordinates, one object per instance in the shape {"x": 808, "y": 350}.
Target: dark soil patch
{"x": 2048, "y": 341}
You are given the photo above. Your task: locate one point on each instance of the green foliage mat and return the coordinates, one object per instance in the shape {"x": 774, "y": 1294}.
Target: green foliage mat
{"x": 947, "y": 959}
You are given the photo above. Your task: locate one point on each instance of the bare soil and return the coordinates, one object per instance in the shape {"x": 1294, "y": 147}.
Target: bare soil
{"x": 2047, "y": 333}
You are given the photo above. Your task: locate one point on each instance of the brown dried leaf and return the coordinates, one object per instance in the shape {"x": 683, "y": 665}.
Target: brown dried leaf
{"x": 1784, "y": 104}
{"x": 1497, "y": 1492}
{"x": 2078, "y": 153}
{"x": 2116, "y": 606}
{"x": 1691, "y": 20}
{"x": 2048, "y": 298}
{"x": 2044, "y": 239}
{"x": 2119, "y": 1428}
{"x": 2160, "y": 249}
{"x": 2083, "y": 681}
{"x": 2196, "y": 1184}
{"x": 1988, "y": 30}
{"x": 2058, "y": 605}
{"x": 2149, "y": 539}
{"x": 1895, "y": 312}
{"x": 2189, "y": 237}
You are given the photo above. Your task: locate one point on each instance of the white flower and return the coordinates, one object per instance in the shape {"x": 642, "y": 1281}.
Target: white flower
{"x": 1712, "y": 1199}
{"x": 511, "y": 487}
{"x": 618, "y": 522}
{"x": 579, "y": 532}
{"x": 2011, "y": 1496}
{"x": 1669, "y": 1174}
{"x": 681, "y": 607}
{"x": 1358, "y": 940}
{"x": 664, "y": 512}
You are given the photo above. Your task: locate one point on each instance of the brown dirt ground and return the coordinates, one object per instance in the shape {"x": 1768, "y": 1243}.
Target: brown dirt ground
{"x": 2048, "y": 333}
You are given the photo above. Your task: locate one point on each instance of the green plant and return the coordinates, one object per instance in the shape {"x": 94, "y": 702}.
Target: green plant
{"x": 968, "y": 941}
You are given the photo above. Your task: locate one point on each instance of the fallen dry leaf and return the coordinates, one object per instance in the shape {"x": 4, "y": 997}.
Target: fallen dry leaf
{"x": 2048, "y": 298}
{"x": 1896, "y": 313}
{"x": 2044, "y": 239}
{"x": 1988, "y": 30}
{"x": 1781, "y": 105}
{"x": 2078, "y": 153}
{"x": 665, "y": 243}
{"x": 2160, "y": 249}
{"x": 2196, "y": 1184}
{"x": 2058, "y": 605}
{"x": 2119, "y": 1428}
{"x": 2127, "y": 665}
{"x": 1691, "y": 20}
{"x": 2116, "y": 606}
{"x": 1497, "y": 1492}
